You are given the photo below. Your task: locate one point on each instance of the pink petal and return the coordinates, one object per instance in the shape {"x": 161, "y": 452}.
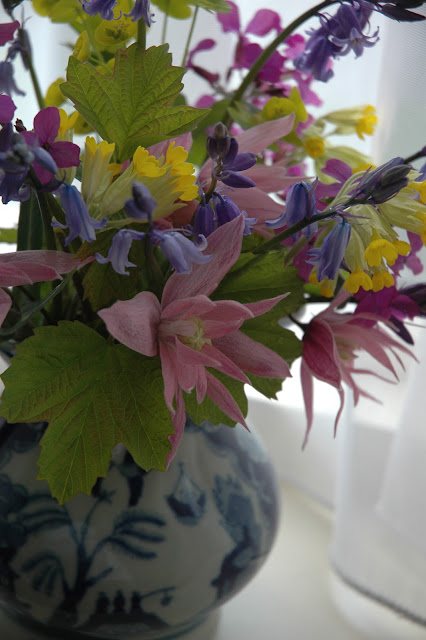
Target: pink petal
{"x": 252, "y": 356}
{"x": 220, "y": 395}
{"x": 257, "y": 204}
{"x": 320, "y": 353}
{"x": 5, "y": 304}
{"x": 271, "y": 179}
{"x": 306, "y": 380}
{"x": 7, "y": 30}
{"x": 169, "y": 370}
{"x": 65, "y": 154}
{"x": 224, "y": 245}
{"x": 194, "y": 307}
{"x": 24, "y": 267}
{"x": 260, "y": 137}
{"x": 225, "y": 364}
{"x": 7, "y": 108}
{"x": 261, "y": 307}
{"x": 160, "y": 149}
{"x": 230, "y": 21}
{"x": 46, "y": 125}
{"x": 134, "y": 322}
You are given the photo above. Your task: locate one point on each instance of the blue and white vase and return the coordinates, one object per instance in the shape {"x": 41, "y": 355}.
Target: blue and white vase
{"x": 148, "y": 555}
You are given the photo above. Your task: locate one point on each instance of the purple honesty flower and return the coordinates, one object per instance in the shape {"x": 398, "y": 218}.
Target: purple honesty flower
{"x": 7, "y": 30}
{"x": 142, "y": 9}
{"x": 105, "y": 8}
{"x": 204, "y": 220}
{"x": 300, "y": 205}
{"x": 179, "y": 250}
{"x": 7, "y": 81}
{"x": 383, "y": 183}
{"x": 263, "y": 22}
{"x": 77, "y": 217}
{"x": 118, "y": 254}
{"x": 329, "y": 257}
{"x": 142, "y": 205}
{"x": 391, "y": 304}
{"x": 204, "y": 45}
{"x": 46, "y": 128}
{"x": 7, "y": 109}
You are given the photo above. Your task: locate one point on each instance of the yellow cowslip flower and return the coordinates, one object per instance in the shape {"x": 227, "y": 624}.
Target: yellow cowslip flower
{"x": 382, "y": 279}
{"x": 279, "y": 107}
{"x": 95, "y": 167}
{"x": 314, "y": 147}
{"x": 184, "y": 172}
{"x": 113, "y": 33}
{"x": 360, "y": 120}
{"x": 81, "y": 49}
{"x": 326, "y": 286}
{"x": 420, "y": 187}
{"x": 146, "y": 165}
{"x": 54, "y": 96}
{"x": 420, "y": 215}
{"x": 66, "y": 124}
{"x": 380, "y": 248}
{"x": 357, "y": 279}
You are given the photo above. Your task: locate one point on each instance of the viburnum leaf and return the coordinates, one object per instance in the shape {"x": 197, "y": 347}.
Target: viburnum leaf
{"x": 131, "y": 107}
{"x": 94, "y": 394}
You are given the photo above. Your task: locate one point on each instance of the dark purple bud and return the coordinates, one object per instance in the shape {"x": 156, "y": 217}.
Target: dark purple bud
{"x": 236, "y": 180}
{"x": 383, "y": 183}
{"x": 142, "y": 205}
{"x": 225, "y": 209}
{"x": 204, "y": 220}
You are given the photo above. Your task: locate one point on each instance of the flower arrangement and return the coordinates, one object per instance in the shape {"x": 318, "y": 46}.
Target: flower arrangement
{"x": 156, "y": 259}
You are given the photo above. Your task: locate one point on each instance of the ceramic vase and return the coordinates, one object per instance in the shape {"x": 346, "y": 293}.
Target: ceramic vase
{"x": 148, "y": 555}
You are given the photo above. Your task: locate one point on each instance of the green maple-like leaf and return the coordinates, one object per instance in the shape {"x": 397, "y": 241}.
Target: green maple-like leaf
{"x": 208, "y": 410}
{"x": 94, "y": 395}
{"x": 131, "y": 107}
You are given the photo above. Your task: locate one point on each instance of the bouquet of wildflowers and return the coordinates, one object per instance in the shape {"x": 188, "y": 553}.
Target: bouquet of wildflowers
{"x": 157, "y": 259}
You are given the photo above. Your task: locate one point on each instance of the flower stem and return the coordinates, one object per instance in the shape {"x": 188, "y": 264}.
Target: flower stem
{"x": 141, "y": 36}
{"x": 166, "y": 16}
{"x": 190, "y": 34}
{"x": 28, "y": 63}
{"x": 267, "y": 53}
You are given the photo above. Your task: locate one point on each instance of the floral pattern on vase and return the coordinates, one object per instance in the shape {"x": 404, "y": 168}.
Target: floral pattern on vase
{"x": 146, "y": 555}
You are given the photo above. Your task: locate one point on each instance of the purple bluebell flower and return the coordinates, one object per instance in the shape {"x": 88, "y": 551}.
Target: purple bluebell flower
{"x": 204, "y": 220}
{"x": 142, "y": 205}
{"x": 105, "y": 8}
{"x": 329, "y": 256}
{"x": 228, "y": 169}
{"x": 77, "y": 217}
{"x": 248, "y": 224}
{"x": 225, "y": 209}
{"x": 337, "y": 35}
{"x": 142, "y": 9}
{"x": 300, "y": 205}
{"x": 7, "y": 81}
{"x": 179, "y": 250}
{"x": 118, "y": 254}
{"x": 383, "y": 183}
{"x": 7, "y": 109}
{"x": 15, "y": 161}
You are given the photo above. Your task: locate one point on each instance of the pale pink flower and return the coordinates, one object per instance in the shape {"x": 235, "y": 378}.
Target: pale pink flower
{"x": 190, "y": 332}
{"x": 330, "y": 343}
{"x": 28, "y": 267}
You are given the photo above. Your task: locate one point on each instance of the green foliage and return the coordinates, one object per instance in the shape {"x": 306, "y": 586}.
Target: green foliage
{"x": 94, "y": 395}
{"x": 219, "y": 6}
{"x": 207, "y": 410}
{"x": 9, "y": 235}
{"x": 131, "y": 107}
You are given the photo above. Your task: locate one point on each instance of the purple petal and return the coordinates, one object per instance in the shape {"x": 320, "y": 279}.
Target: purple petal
{"x": 263, "y": 22}
{"x": 46, "y": 125}
{"x": 65, "y": 154}
{"x": 230, "y": 21}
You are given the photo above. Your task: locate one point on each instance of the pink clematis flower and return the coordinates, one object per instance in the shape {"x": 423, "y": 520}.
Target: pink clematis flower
{"x": 329, "y": 345}
{"x": 190, "y": 332}
{"x": 28, "y": 267}
{"x": 46, "y": 128}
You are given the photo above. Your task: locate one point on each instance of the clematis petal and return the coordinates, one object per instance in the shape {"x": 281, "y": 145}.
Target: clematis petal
{"x": 220, "y": 395}
{"x": 135, "y": 322}
{"x": 5, "y": 304}
{"x": 320, "y": 353}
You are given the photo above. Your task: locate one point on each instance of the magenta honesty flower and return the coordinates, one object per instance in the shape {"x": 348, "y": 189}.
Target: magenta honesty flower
{"x": 329, "y": 345}
{"x": 190, "y": 332}
{"x": 28, "y": 267}
{"x": 46, "y": 128}
{"x": 7, "y": 30}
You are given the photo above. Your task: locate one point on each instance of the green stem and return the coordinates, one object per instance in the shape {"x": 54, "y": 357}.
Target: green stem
{"x": 47, "y": 220}
{"x": 27, "y": 57}
{"x": 141, "y": 35}
{"x": 190, "y": 34}
{"x": 164, "y": 30}
{"x": 267, "y": 53}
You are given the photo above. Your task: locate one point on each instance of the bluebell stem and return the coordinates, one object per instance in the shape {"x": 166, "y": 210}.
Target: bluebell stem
{"x": 77, "y": 217}
{"x": 118, "y": 254}
{"x": 179, "y": 250}
{"x": 329, "y": 256}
